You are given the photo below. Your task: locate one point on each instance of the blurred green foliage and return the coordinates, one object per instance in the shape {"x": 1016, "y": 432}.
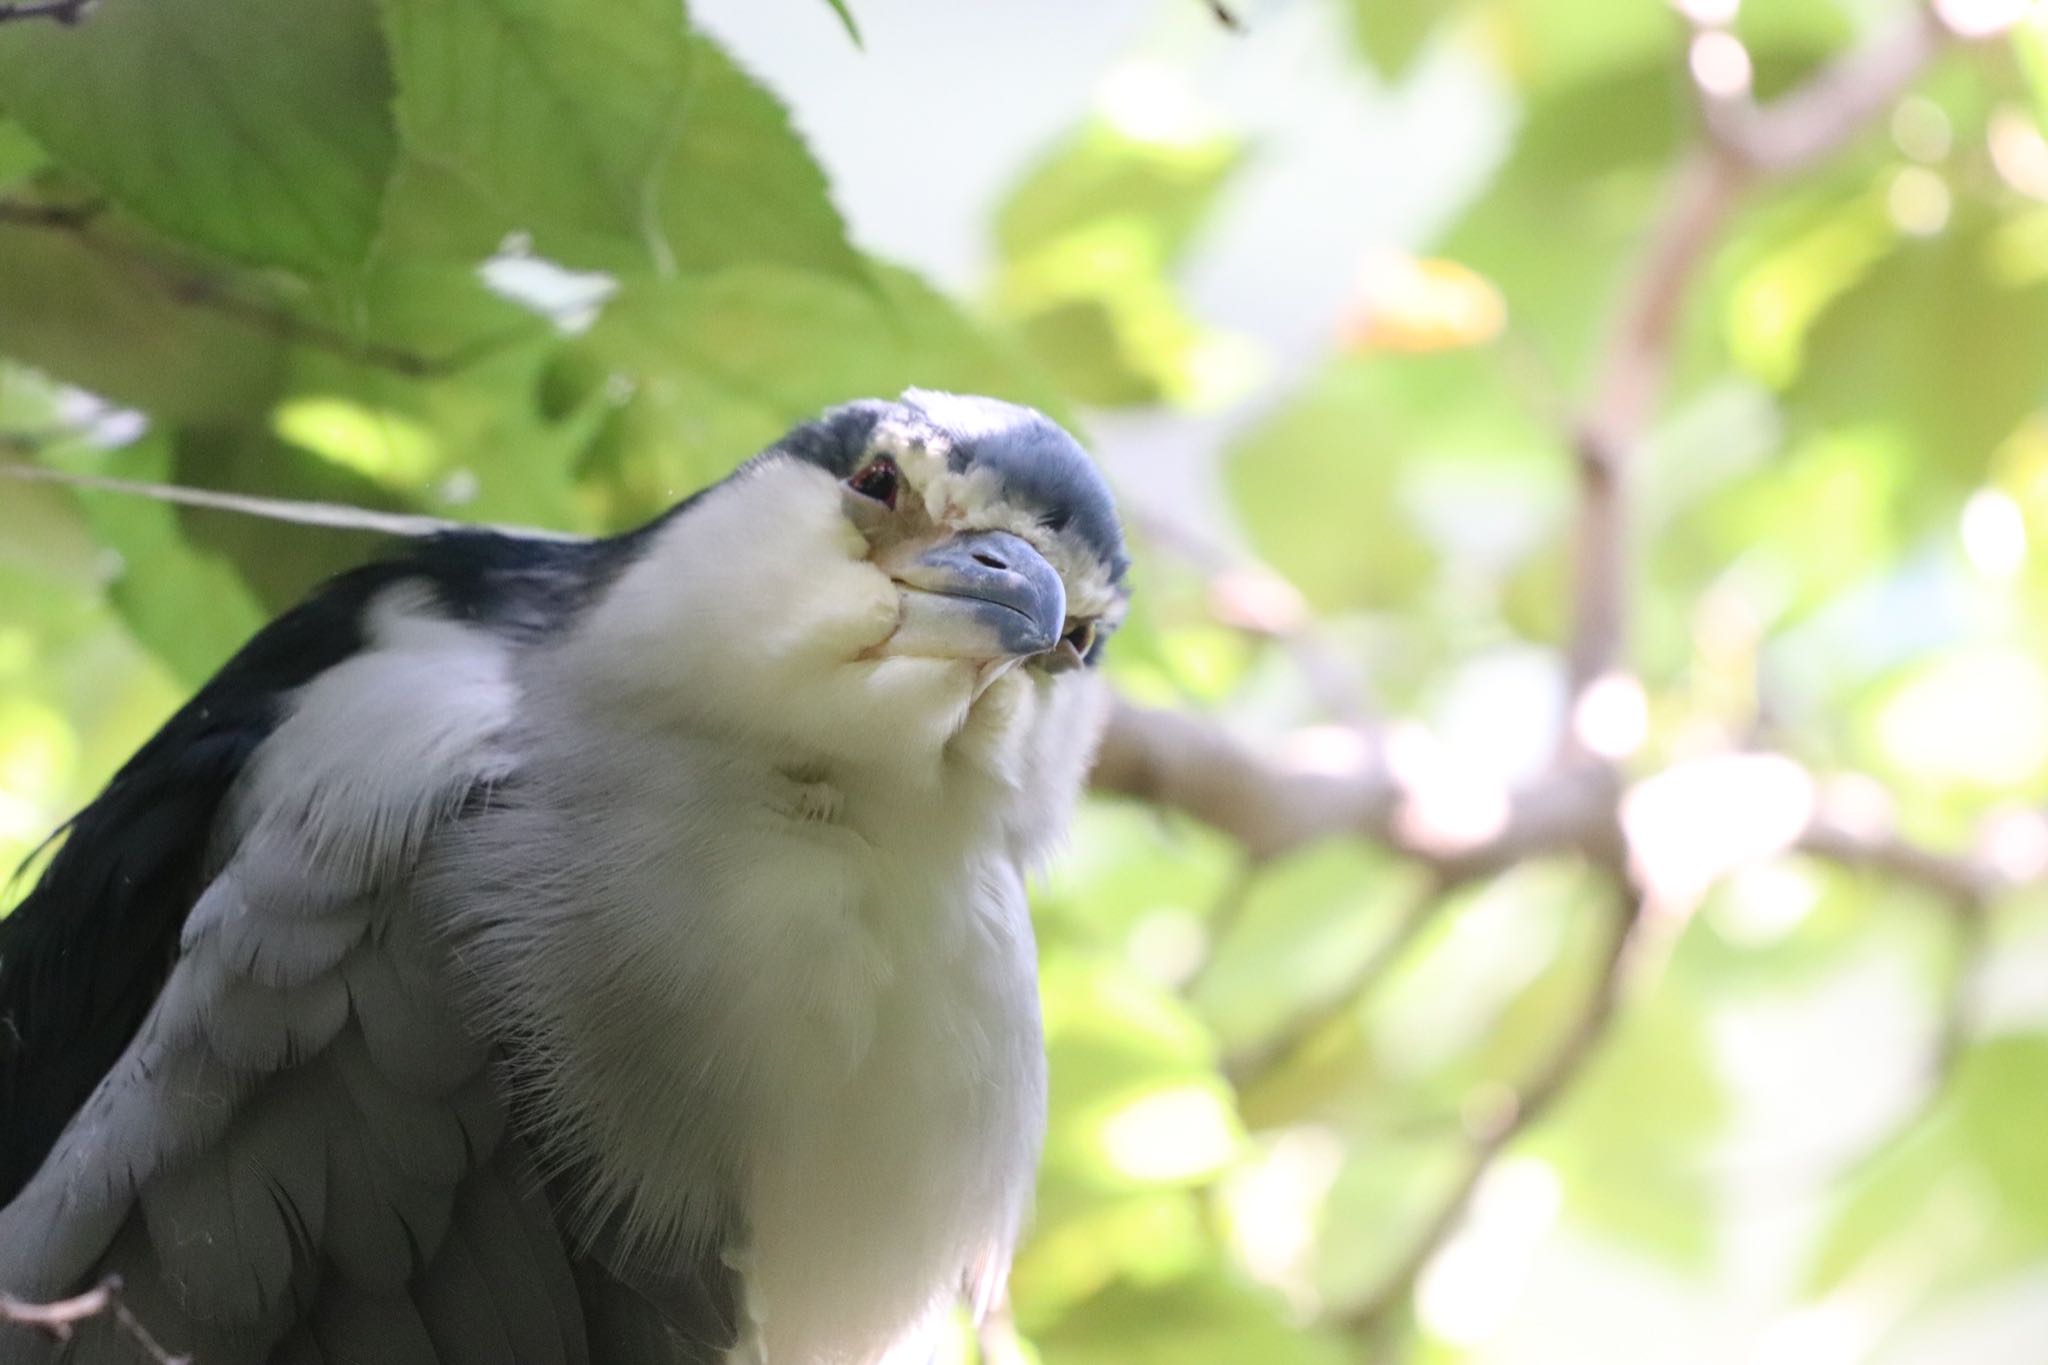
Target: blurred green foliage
{"x": 511, "y": 261}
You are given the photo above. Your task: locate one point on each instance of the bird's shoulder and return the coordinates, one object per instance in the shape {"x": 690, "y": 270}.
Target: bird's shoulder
{"x": 85, "y": 953}
{"x": 236, "y": 1072}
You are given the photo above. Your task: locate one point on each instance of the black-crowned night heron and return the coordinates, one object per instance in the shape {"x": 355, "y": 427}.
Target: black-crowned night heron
{"x": 535, "y": 950}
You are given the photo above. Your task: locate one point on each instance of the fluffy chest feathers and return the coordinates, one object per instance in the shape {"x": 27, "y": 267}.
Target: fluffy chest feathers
{"x": 765, "y": 1007}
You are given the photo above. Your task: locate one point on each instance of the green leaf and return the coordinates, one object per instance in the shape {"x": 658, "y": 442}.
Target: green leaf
{"x": 1630, "y": 1137}
{"x": 1549, "y": 44}
{"x": 1133, "y": 1079}
{"x": 20, "y": 157}
{"x": 1307, "y": 923}
{"x": 1386, "y": 465}
{"x": 741, "y": 186}
{"x": 258, "y": 130}
{"x": 845, "y": 13}
{"x": 561, "y": 115}
{"x": 711, "y": 175}
{"x": 1392, "y": 33}
{"x": 1564, "y": 217}
{"x": 159, "y": 576}
{"x": 1208, "y": 1318}
{"x": 1101, "y": 173}
{"x": 2002, "y": 1107}
{"x": 2030, "y": 45}
{"x": 1088, "y": 238}
{"x": 1937, "y": 347}
{"x": 721, "y": 365}
{"x": 1963, "y": 1196}
{"x": 102, "y": 320}
{"x": 1389, "y": 1189}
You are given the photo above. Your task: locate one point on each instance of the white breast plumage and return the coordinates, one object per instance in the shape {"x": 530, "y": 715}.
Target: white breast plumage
{"x": 883, "y": 1049}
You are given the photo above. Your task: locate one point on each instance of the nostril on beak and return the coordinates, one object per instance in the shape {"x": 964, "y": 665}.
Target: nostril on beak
{"x": 988, "y": 560}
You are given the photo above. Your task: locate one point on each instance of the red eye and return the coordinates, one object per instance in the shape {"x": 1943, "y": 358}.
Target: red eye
{"x": 878, "y": 479}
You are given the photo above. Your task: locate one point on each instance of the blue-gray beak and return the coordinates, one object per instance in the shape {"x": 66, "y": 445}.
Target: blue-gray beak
{"x": 984, "y": 594}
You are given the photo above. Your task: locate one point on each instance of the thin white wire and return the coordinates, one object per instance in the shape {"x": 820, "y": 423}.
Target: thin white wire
{"x": 331, "y": 514}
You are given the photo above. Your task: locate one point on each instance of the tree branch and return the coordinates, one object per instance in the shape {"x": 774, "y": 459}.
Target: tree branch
{"x": 1627, "y": 388}
{"x": 1743, "y": 144}
{"x": 1809, "y": 124}
{"x": 65, "y": 12}
{"x": 61, "y": 1320}
{"x": 1416, "y": 801}
{"x": 1390, "y": 790}
{"x": 1254, "y": 1063}
{"x": 1530, "y": 1103}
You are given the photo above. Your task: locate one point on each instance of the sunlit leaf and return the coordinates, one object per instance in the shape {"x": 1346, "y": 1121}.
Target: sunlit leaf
{"x": 1309, "y": 920}
{"x": 1961, "y": 1197}
{"x": 1088, "y": 239}
{"x": 1406, "y": 303}
{"x": 1392, "y": 36}
{"x": 1933, "y": 344}
{"x": 1204, "y": 1319}
{"x": 1331, "y": 485}
{"x": 1630, "y": 1138}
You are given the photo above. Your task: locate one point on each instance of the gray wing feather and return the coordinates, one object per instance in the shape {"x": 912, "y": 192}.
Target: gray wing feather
{"x": 355, "y": 1328}
{"x": 505, "y": 1237}
{"x": 302, "y": 1154}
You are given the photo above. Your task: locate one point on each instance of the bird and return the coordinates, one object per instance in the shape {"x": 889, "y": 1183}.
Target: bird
{"x": 540, "y": 950}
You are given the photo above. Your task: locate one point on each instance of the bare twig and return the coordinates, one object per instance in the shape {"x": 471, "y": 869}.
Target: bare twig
{"x": 1224, "y": 15}
{"x": 1807, "y": 125}
{"x": 1459, "y": 828}
{"x": 1628, "y": 383}
{"x": 1530, "y": 1103}
{"x": 1744, "y": 143}
{"x": 65, "y": 12}
{"x": 1223, "y": 919}
{"x": 1451, "y": 821}
{"x": 61, "y": 1320}
{"x": 70, "y": 217}
{"x": 1249, "y": 1066}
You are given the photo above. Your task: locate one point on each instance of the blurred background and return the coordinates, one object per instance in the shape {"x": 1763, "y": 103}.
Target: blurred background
{"x": 1568, "y": 880}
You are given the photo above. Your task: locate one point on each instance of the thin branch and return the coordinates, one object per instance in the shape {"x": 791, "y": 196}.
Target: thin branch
{"x": 65, "y": 12}
{"x": 1455, "y": 825}
{"x": 1744, "y": 143}
{"x": 1552, "y": 1081}
{"x": 1451, "y": 821}
{"x": 1809, "y": 124}
{"x": 61, "y": 1320}
{"x": 1627, "y": 387}
{"x": 1960, "y": 880}
{"x": 1253, "y": 1064}
{"x": 69, "y": 217}
{"x": 1223, "y": 919}
{"x": 1225, "y": 16}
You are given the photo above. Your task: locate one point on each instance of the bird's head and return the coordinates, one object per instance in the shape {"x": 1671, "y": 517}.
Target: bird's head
{"x": 894, "y": 584}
